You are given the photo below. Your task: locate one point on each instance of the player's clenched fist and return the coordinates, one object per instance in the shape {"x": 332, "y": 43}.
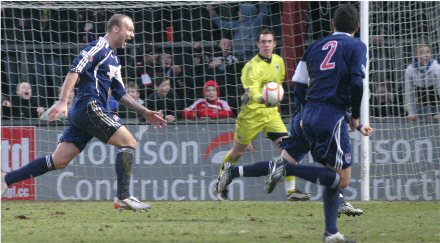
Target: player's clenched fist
{"x": 366, "y": 130}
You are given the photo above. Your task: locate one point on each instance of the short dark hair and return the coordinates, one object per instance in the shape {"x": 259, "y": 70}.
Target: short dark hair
{"x": 132, "y": 85}
{"x": 116, "y": 19}
{"x": 266, "y": 31}
{"x": 160, "y": 79}
{"x": 346, "y": 18}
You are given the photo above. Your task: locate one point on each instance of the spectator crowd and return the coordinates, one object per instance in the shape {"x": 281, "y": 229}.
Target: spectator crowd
{"x": 199, "y": 80}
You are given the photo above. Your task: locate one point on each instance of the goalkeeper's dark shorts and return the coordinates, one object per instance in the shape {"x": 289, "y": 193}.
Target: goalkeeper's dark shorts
{"x": 92, "y": 121}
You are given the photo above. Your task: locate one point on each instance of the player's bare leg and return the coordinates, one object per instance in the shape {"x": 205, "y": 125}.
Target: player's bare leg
{"x": 63, "y": 154}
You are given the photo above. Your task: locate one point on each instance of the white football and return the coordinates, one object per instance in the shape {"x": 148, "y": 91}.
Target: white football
{"x": 273, "y": 93}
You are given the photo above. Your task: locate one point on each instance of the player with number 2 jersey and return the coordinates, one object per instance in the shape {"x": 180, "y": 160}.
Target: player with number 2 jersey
{"x": 333, "y": 68}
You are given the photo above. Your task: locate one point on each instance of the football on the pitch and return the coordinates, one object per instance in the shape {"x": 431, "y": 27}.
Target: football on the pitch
{"x": 273, "y": 93}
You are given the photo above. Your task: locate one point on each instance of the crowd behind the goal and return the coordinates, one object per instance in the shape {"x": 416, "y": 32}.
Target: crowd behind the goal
{"x": 174, "y": 79}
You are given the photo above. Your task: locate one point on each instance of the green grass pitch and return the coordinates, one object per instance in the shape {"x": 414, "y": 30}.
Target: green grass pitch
{"x": 234, "y": 221}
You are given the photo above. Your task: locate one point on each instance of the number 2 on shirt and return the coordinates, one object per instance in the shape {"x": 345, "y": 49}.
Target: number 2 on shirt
{"x": 326, "y": 64}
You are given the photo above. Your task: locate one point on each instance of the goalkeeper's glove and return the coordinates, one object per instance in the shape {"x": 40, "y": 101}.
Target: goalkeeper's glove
{"x": 245, "y": 98}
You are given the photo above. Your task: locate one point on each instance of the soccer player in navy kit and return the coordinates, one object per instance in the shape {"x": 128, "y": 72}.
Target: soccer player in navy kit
{"x": 334, "y": 68}
{"x": 94, "y": 72}
{"x": 297, "y": 147}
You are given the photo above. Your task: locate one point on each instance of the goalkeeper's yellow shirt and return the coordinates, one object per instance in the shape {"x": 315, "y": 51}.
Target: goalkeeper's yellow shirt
{"x": 259, "y": 71}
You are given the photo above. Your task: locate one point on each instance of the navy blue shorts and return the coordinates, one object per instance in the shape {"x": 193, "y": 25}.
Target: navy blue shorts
{"x": 296, "y": 144}
{"x": 326, "y": 128}
{"x": 92, "y": 121}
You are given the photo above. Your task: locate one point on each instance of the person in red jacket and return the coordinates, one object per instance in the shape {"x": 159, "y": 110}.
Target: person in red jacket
{"x": 211, "y": 106}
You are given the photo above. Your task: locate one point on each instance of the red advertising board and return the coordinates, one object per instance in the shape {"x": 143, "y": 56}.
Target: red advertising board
{"x": 18, "y": 149}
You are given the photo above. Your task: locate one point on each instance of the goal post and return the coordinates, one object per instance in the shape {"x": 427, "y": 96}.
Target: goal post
{"x": 365, "y": 105}
{"x": 40, "y": 39}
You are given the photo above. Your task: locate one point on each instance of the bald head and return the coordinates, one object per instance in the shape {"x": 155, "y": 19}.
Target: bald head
{"x": 120, "y": 29}
{"x": 117, "y": 20}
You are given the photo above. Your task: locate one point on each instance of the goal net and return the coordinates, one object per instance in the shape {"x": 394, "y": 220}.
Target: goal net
{"x": 405, "y": 153}
{"x": 184, "y": 41}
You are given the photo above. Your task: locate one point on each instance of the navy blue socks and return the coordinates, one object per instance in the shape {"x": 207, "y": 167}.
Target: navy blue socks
{"x": 331, "y": 205}
{"x": 253, "y": 170}
{"x": 341, "y": 197}
{"x": 319, "y": 175}
{"x": 33, "y": 169}
{"x": 124, "y": 164}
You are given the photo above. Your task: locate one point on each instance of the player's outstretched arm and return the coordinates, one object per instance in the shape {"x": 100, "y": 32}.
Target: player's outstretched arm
{"x": 154, "y": 117}
{"x": 61, "y": 107}
{"x": 366, "y": 130}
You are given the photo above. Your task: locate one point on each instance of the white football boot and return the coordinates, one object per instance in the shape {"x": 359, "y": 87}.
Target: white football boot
{"x": 130, "y": 203}
{"x": 349, "y": 210}
{"x": 223, "y": 182}
{"x": 337, "y": 238}
{"x": 277, "y": 172}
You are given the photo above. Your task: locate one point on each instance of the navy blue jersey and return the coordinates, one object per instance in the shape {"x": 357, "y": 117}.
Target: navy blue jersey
{"x": 99, "y": 71}
{"x": 333, "y": 67}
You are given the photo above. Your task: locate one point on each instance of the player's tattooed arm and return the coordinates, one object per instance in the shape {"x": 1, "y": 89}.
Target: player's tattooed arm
{"x": 132, "y": 104}
{"x": 154, "y": 117}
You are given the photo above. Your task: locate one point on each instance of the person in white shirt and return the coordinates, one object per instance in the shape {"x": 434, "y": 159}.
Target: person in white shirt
{"x": 422, "y": 85}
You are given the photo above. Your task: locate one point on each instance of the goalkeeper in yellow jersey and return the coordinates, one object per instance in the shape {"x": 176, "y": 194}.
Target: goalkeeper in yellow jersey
{"x": 255, "y": 115}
